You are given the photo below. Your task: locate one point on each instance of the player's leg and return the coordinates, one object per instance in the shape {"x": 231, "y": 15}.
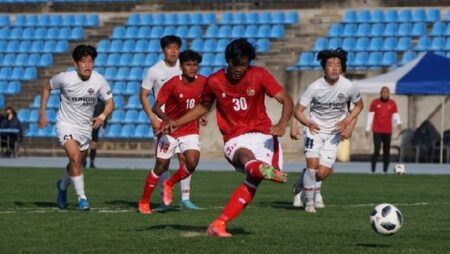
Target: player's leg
{"x": 376, "y": 151}
{"x": 386, "y": 151}
{"x": 185, "y": 186}
{"x": 313, "y": 145}
{"x": 72, "y": 149}
{"x": 92, "y": 153}
{"x": 61, "y": 186}
{"x": 297, "y": 189}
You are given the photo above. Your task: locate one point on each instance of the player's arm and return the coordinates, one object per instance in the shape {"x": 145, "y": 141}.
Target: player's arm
{"x": 158, "y": 111}
{"x": 347, "y": 133}
{"x": 193, "y": 114}
{"x": 342, "y": 125}
{"x": 100, "y": 119}
{"x": 286, "y": 100}
{"x": 148, "y": 110}
{"x": 300, "y": 116}
{"x": 294, "y": 132}
{"x": 46, "y": 89}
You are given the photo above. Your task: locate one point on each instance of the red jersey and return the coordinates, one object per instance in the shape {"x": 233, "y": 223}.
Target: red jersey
{"x": 382, "y": 119}
{"x": 240, "y": 107}
{"x": 179, "y": 97}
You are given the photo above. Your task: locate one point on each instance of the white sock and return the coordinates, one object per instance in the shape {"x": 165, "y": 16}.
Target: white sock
{"x": 318, "y": 187}
{"x": 78, "y": 185}
{"x": 309, "y": 180}
{"x": 185, "y": 186}
{"x": 65, "y": 181}
{"x": 164, "y": 176}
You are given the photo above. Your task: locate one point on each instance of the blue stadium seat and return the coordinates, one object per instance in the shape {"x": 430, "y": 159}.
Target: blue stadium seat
{"x": 227, "y": 18}
{"x": 4, "y": 33}
{"x": 210, "y": 45}
{"x": 320, "y": 44}
{"x": 122, "y": 73}
{"x": 103, "y": 46}
{"x": 362, "y": 44}
{"x": 238, "y": 31}
{"x": 205, "y": 71}
{"x": 142, "y": 117}
{"x": 53, "y": 101}
{"x": 77, "y": 33}
{"x": 433, "y": 15}
{"x": 212, "y": 31}
{"x": 305, "y": 60}
{"x": 423, "y": 44}
{"x": 49, "y": 46}
{"x": 131, "y": 32}
{"x": 30, "y": 73}
{"x": 447, "y": 18}
{"x": 110, "y": 73}
{"x": 334, "y": 43}
{"x": 389, "y": 44}
{"x": 14, "y": 87}
{"x": 119, "y": 87}
{"x": 404, "y": 44}
{"x": 407, "y": 57}
{"x": 437, "y": 44}
{"x": 5, "y": 73}
{"x": 17, "y": 73}
{"x": 219, "y": 60}
{"x": 138, "y": 59}
{"x": 389, "y": 59}
{"x": 251, "y": 18}
{"x": 363, "y": 16}
{"x": 32, "y": 20}
{"x": 194, "y": 32}
{"x": 8, "y": 59}
{"x": 146, "y": 19}
{"x": 158, "y": 19}
{"x": 349, "y": 30}
{"x": 362, "y": 30}
{"x": 197, "y": 45}
{"x": 127, "y": 131}
{"x": 376, "y": 44}
{"x": 28, "y": 33}
{"x": 391, "y": 16}
{"x": 80, "y": 20}
{"x": 132, "y": 88}
{"x": 168, "y": 30}
{"x": 405, "y": 15}
{"x": 262, "y": 45}
{"x": 224, "y": 31}
{"x": 277, "y": 31}
{"x": 390, "y": 29}
{"x": 4, "y": 20}
{"x": 101, "y": 60}
{"x": 183, "y": 19}
{"x": 209, "y": 18}
{"x": 62, "y": 46}
{"x": 32, "y": 130}
{"x": 134, "y": 19}
{"x": 135, "y": 74}
{"x": 128, "y": 46}
{"x": 350, "y": 16}
{"x": 171, "y": 19}
{"x": 68, "y": 20}
{"x": 438, "y": 29}
{"x": 113, "y": 131}
{"x": 208, "y": 59}
{"x": 52, "y": 33}
{"x": 277, "y": 17}
{"x": 131, "y": 116}
{"x": 336, "y": 30}
{"x": 291, "y": 18}
{"x": 361, "y": 59}
{"x": 150, "y": 59}
{"x": 133, "y": 103}
{"x": 44, "y": 61}
{"x": 113, "y": 59}
{"x": 21, "y": 60}
{"x": 36, "y": 102}
{"x": 263, "y": 31}
{"x": 377, "y": 16}
{"x": 156, "y": 32}
{"x": 404, "y": 29}
{"x": 118, "y": 102}
{"x": 144, "y": 32}
{"x": 419, "y": 15}
{"x": 51, "y": 115}
{"x": 238, "y": 18}
{"x": 23, "y": 115}
{"x": 16, "y": 33}
{"x": 56, "y": 20}
{"x": 374, "y": 59}
{"x": 196, "y": 18}
{"x": 125, "y": 59}
{"x": 141, "y": 46}
{"x": 141, "y": 131}
{"x": 251, "y": 31}
{"x": 419, "y": 29}
{"x": 12, "y": 46}
{"x": 3, "y": 87}
{"x": 182, "y": 31}
{"x": 115, "y": 46}
{"x": 348, "y": 44}
{"x": 221, "y": 45}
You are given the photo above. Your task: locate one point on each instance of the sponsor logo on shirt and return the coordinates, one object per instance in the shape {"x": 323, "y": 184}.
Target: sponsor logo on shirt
{"x": 109, "y": 92}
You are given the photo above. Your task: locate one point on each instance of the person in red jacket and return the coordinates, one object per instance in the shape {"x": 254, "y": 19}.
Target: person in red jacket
{"x": 382, "y": 114}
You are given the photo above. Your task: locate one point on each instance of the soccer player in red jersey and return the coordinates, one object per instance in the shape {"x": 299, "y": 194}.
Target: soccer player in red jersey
{"x": 180, "y": 94}
{"x": 251, "y": 143}
{"x": 382, "y": 113}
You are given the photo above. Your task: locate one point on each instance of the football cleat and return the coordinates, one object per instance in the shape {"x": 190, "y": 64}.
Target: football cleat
{"x": 83, "y": 204}
{"x": 318, "y": 201}
{"x": 272, "y": 174}
{"x": 310, "y": 208}
{"x": 217, "y": 229}
{"x": 299, "y": 199}
{"x": 167, "y": 194}
{"x": 188, "y": 204}
{"x": 61, "y": 199}
{"x": 144, "y": 207}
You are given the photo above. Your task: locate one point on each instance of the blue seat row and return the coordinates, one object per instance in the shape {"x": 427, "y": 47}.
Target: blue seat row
{"x": 29, "y": 33}
{"x": 389, "y": 29}
{"x": 127, "y": 59}
{"x": 18, "y": 73}
{"x": 26, "y": 115}
{"x": 266, "y": 17}
{"x": 10, "y": 88}
{"x": 122, "y": 73}
{"x": 53, "y": 101}
{"x": 392, "y": 15}
{"x": 219, "y": 45}
{"x": 129, "y": 131}
{"x": 2, "y": 101}
{"x": 133, "y": 102}
{"x": 39, "y": 46}
{"x": 125, "y": 88}
{"x": 147, "y": 32}
{"x": 149, "y": 19}
{"x": 129, "y": 45}
{"x": 23, "y": 59}
{"x": 46, "y": 20}
{"x": 250, "y": 31}
{"x": 133, "y": 115}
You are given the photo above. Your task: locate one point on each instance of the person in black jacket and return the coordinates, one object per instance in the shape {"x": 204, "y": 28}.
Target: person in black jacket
{"x": 12, "y": 122}
{"x": 99, "y": 107}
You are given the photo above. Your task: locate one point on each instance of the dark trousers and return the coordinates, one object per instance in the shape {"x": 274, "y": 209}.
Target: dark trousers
{"x": 379, "y": 138}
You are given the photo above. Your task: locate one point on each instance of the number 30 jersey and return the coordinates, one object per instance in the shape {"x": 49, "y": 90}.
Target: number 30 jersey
{"x": 240, "y": 107}
{"x": 179, "y": 97}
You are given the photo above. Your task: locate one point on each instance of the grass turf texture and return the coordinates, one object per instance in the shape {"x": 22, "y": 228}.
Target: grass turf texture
{"x": 31, "y": 223}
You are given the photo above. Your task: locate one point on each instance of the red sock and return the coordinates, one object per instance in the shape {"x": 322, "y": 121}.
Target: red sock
{"x": 150, "y": 184}
{"x": 182, "y": 173}
{"x": 252, "y": 169}
{"x": 238, "y": 201}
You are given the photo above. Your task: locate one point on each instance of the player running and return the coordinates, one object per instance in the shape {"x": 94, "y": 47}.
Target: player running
{"x": 329, "y": 121}
{"x": 251, "y": 143}
{"x": 178, "y": 95}
{"x": 80, "y": 90}
{"x": 155, "y": 78}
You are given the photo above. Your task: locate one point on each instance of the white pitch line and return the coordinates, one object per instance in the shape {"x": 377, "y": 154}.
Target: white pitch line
{"x": 134, "y": 210}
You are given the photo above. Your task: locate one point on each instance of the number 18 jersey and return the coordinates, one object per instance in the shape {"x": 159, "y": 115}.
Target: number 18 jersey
{"x": 240, "y": 107}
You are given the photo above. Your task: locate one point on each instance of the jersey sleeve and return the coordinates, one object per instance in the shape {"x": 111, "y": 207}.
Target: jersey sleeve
{"x": 307, "y": 96}
{"x": 57, "y": 81}
{"x": 149, "y": 80}
{"x": 165, "y": 92}
{"x": 394, "y": 108}
{"x": 208, "y": 95}
{"x": 355, "y": 96}
{"x": 270, "y": 83}
{"x": 105, "y": 90}
{"x": 372, "y": 106}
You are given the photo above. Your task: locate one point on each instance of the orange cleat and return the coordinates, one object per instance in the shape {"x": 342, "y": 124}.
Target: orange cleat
{"x": 167, "y": 194}
{"x": 217, "y": 229}
{"x": 144, "y": 207}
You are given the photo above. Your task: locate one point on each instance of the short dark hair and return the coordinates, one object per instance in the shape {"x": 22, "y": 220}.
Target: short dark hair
{"x": 190, "y": 55}
{"x": 239, "y": 48}
{"x": 169, "y": 39}
{"x": 326, "y": 54}
{"x": 83, "y": 50}
{"x": 12, "y": 110}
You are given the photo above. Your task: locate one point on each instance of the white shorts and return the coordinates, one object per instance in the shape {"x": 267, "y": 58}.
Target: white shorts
{"x": 167, "y": 146}
{"x": 66, "y": 132}
{"x": 322, "y": 146}
{"x": 266, "y": 148}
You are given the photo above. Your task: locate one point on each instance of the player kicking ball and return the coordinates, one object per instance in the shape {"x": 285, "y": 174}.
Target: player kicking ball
{"x": 329, "y": 121}
{"x": 80, "y": 90}
{"x": 178, "y": 96}
{"x": 251, "y": 143}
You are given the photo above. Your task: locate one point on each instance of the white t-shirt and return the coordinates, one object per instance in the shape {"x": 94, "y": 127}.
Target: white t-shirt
{"x": 329, "y": 103}
{"x": 159, "y": 74}
{"x": 78, "y": 97}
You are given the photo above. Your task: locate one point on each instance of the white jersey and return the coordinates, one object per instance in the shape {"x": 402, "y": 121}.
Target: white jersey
{"x": 158, "y": 74}
{"x": 329, "y": 103}
{"x": 78, "y": 97}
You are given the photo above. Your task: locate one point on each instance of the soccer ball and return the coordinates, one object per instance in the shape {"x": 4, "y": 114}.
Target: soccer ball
{"x": 399, "y": 169}
{"x": 386, "y": 219}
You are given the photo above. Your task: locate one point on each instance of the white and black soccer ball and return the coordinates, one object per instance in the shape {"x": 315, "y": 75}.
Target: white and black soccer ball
{"x": 386, "y": 219}
{"x": 399, "y": 169}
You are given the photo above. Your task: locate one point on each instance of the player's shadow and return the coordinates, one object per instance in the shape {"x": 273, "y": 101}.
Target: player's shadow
{"x": 373, "y": 245}
{"x": 191, "y": 229}
{"x": 126, "y": 203}
{"x": 277, "y": 204}
{"x": 37, "y": 203}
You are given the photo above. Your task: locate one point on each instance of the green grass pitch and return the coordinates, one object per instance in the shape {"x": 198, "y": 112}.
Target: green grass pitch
{"x": 31, "y": 223}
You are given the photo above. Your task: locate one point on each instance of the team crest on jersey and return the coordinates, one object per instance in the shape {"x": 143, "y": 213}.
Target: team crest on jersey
{"x": 224, "y": 95}
{"x": 181, "y": 95}
{"x": 341, "y": 96}
{"x": 250, "y": 91}
{"x": 91, "y": 91}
